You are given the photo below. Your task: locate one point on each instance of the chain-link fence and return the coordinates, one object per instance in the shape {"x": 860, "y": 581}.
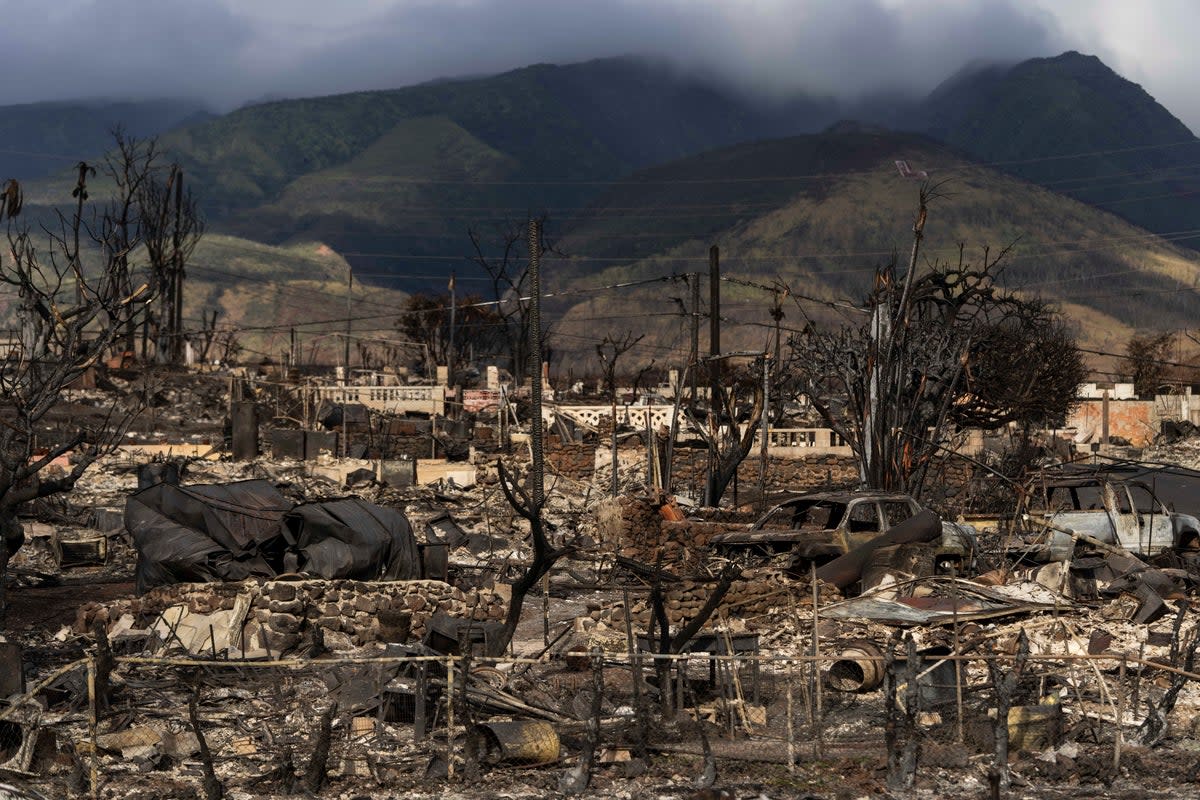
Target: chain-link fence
{"x": 879, "y": 715}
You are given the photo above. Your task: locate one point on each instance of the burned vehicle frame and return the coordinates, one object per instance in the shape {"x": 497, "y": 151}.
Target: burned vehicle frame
{"x": 817, "y": 528}
{"x": 1124, "y": 514}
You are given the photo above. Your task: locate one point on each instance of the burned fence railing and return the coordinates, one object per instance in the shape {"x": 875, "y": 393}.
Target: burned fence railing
{"x": 590, "y": 721}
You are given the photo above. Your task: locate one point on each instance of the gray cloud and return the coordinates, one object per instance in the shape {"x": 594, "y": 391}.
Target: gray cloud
{"x": 118, "y": 48}
{"x": 775, "y": 46}
{"x": 231, "y": 51}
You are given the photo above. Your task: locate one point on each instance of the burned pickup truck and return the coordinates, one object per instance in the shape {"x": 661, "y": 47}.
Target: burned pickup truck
{"x": 1123, "y": 514}
{"x": 818, "y": 528}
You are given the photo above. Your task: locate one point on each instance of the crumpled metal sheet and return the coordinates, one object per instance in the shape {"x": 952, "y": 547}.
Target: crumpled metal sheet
{"x": 230, "y": 532}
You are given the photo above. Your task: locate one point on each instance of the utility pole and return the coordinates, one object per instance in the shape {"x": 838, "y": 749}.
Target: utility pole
{"x": 714, "y": 365}
{"x": 349, "y": 311}
{"x": 762, "y": 452}
{"x": 714, "y": 321}
{"x": 694, "y": 279}
{"x": 535, "y": 365}
{"x": 450, "y": 348}
{"x": 777, "y": 315}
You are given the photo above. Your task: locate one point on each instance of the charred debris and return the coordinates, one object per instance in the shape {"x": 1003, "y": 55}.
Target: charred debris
{"x": 274, "y": 586}
{"x": 330, "y": 614}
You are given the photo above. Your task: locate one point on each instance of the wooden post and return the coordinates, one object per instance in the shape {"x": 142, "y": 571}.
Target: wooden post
{"x": 450, "y": 718}
{"x": 450, "y": 348}
{"x": 349, "y": 328}
{"x": 94, "y": 771}
{"x": 635, "y": 670}
{"x": 1118, "y": 740}
{"x": 419, "y": 712}
{"x": 791, "y": 734}
{"x": 958, "y": 692}
{"x": 177, "y": 248}
{"x": 612, "y": 378}
{"x": 546, "y": 609}
{"x": 714, "y": 316}
{"x": 1104, "y": 420}
{"x": 816, "y": 652}
{"x": 762, "y": 451}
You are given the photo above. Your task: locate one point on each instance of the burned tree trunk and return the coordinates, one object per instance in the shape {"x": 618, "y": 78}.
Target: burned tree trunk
{"x": 544, "y": 557}
{"x": 674, "y": 645}
{"x": 213, "y": 790}
{"x": 315, "y": 775}
{"x": 904, "y": 757}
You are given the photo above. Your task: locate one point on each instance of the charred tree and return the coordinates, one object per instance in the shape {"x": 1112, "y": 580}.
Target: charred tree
{"x": 932, "y": 353}
{"x": 674, "y": 644}
{"x": 80, "y": 287}
{"x": 171, "y": 227}
{"x": 1146, "y": 361}
{"x": 509, "y": 274}
{"x": 737, "y": 408}
{"x": 318, "y": 765}
{"x": 426, "y": 323}
{"x": 544, "y": 556}
{"x": 609, "y": 351}
{"x": 213, "y": 789}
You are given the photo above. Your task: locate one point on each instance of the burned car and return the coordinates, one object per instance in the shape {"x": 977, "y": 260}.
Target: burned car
{"x": 1124, "y": 514}
{"x": 817, "y": 528}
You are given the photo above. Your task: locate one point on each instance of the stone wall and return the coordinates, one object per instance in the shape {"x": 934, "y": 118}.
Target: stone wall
{"x": 811, "y": 473}
{"x": 280, "y": 614}
{"x": 575, "y": 460}
{"x": 645, "y": 535}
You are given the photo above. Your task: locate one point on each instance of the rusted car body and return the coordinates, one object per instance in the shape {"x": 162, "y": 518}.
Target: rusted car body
{"x": 825, "y": 525}
{"x": 1123, "y": 514}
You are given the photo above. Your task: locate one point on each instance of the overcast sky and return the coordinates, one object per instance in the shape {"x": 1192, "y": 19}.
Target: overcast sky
{"x": 229, "y": 51}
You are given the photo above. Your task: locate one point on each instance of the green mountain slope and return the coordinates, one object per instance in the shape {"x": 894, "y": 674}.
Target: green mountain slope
{"x": 1072, "y": 124}
{"x": 38, "y": 139}
{"x": 818, "y": 212}
{"x": 263, "y": 291}
{"x": 447, "y": 156}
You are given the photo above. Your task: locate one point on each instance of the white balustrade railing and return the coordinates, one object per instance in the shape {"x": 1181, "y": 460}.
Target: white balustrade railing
{"x": 392, "y": 399}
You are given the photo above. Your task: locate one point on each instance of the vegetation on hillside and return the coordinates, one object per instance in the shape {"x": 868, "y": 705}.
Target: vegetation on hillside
{"x": 1036, "y": 118}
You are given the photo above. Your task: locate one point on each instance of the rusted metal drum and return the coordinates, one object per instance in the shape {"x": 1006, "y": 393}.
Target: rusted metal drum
{"x": 523, "y": 742}
{"x": 858, "y": 668}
